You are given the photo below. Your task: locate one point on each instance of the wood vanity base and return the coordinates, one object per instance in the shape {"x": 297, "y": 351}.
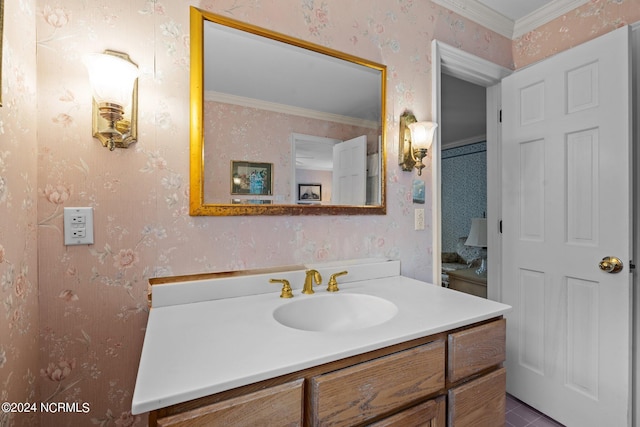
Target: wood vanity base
{"x": 454, "y": 378}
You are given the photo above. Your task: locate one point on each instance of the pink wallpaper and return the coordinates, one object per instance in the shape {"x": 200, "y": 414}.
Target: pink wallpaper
{"x": 586, "y": 22}
{"x": 74, "y": 321}
{"x": 19, "y": 366}
{"x": 93, "y": 307}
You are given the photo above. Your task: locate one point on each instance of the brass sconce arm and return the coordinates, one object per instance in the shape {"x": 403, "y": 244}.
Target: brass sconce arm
{"x": 406, "y": 157}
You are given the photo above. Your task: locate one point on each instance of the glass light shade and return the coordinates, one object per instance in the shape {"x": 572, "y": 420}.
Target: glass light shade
{"x": 478, "y": 233}
{"x": 422, "y": 134}
{"x": 112, "y": 78}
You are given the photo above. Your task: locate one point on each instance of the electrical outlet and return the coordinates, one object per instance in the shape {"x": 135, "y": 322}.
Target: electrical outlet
{"x": 419, "y": 219}
{"x": 78, "y": 219}
{"x": 78, "y": 226}
{"x": 79, "y": 233}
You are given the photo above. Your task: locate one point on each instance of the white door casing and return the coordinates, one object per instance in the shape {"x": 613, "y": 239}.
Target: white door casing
{"x": 465, "y": 66}
{"x": 566, "y": 204}
{"x": 350, "y": 172}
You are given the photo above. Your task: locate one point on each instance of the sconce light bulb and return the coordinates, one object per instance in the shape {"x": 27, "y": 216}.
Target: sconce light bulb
{"x": 112, "y": 78}
{"x": 422, "y": 134}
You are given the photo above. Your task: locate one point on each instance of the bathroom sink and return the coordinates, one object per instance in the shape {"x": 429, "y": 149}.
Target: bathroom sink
{"x": 335, "y": 312}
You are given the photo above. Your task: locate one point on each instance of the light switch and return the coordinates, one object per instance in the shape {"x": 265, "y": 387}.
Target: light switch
{"x": 78, "y": 226}
{"x": 419, "y": 219}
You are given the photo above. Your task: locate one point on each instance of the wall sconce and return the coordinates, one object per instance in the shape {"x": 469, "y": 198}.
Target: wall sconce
{"x": 114, "y": 82}
{"x": 415, "y": 140}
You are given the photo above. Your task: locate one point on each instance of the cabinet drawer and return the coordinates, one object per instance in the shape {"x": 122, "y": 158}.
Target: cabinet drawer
{"x": 480, "y": 402}
{"x": 355, "y": 394}
{"x": 475, "y": 349}
{"x": 432, "y": 413}
{"x": 278, "y": 405}
{"x": 477, "y": 289}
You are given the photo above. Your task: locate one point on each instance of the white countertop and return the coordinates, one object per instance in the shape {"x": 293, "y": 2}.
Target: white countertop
{"x": 196, "y": 349}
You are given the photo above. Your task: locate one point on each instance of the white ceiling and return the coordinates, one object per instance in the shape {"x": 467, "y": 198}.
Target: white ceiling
{"x": 250, "y": 66}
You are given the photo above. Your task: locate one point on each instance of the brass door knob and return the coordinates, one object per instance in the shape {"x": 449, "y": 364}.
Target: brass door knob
{"x": 611, "y": 264}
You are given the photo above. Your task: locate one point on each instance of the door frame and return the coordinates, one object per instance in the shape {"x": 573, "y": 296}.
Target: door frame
{"x": 635, "y": 143}
{"x": 465, "y": 66}
{"x": 470, "y": 68}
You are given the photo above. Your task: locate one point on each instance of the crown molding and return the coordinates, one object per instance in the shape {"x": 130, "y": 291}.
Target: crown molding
{"x": 545, "y": 14}
{"x": 483, "y": 15}
{"x": 287, "y": 109}
{"x": 489, "y": 18}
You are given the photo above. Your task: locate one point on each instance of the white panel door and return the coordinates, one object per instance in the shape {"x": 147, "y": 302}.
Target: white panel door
{"x": 350, "y": 172}
{"x": 566, "y": 205}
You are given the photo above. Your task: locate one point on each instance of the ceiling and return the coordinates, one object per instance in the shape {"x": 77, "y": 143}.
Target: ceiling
{"x": 250, "y": 66}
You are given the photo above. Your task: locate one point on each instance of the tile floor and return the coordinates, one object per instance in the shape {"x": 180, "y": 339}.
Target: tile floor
{"x": 521, "y": 415}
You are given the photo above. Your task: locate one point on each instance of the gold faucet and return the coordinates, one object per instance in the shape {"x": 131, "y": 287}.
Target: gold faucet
{"x": 332, "y": 286}
{"x": 308, "y": 281}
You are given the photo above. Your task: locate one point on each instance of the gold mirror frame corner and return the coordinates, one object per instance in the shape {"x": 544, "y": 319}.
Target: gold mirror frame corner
{"x": 197, "y": 204}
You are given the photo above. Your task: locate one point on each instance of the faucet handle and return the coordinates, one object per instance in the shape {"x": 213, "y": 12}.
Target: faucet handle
{"x": 286, "y": 287}
{"x": 333, "y": 283}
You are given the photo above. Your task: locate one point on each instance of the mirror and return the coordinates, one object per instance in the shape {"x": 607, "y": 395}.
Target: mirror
{"x": 280, "y": 126}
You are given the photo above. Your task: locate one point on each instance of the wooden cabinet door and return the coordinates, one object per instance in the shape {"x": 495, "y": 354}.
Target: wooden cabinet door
{"x": 475, "y": 349}
{"x": 275, "y": 406}
{"x": 479, "y": 403}
{"x": 353, "y": 395}
{"x": 432, "y": 413}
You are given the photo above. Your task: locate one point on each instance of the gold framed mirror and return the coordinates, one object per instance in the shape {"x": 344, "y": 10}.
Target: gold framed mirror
{"x": 314, "y": 114}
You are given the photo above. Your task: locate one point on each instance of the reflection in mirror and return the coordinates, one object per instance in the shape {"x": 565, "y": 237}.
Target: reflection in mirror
{"x": 314, "y": 115}
{"x": 317, "y": 159}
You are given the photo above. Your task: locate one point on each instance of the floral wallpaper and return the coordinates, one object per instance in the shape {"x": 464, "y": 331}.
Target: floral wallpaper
{"x": 19, "y": 333}
{"x": 584, "y": 23}
{"x": 74, "y": 316}
{"x": 93, "y": 305}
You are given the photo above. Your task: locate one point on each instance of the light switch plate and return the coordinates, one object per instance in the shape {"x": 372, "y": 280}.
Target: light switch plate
{"x": 419, "y": 219}
{"x": 78, "y": 226}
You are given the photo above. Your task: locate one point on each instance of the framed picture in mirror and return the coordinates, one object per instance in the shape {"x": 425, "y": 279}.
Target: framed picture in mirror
{"x": 309, "y": 193}
{"x": 251, "y": 201}
{"x": 251, "y": 178}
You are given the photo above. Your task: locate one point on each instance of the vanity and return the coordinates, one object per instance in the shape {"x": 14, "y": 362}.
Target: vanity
{"x": 384, "y": 350}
